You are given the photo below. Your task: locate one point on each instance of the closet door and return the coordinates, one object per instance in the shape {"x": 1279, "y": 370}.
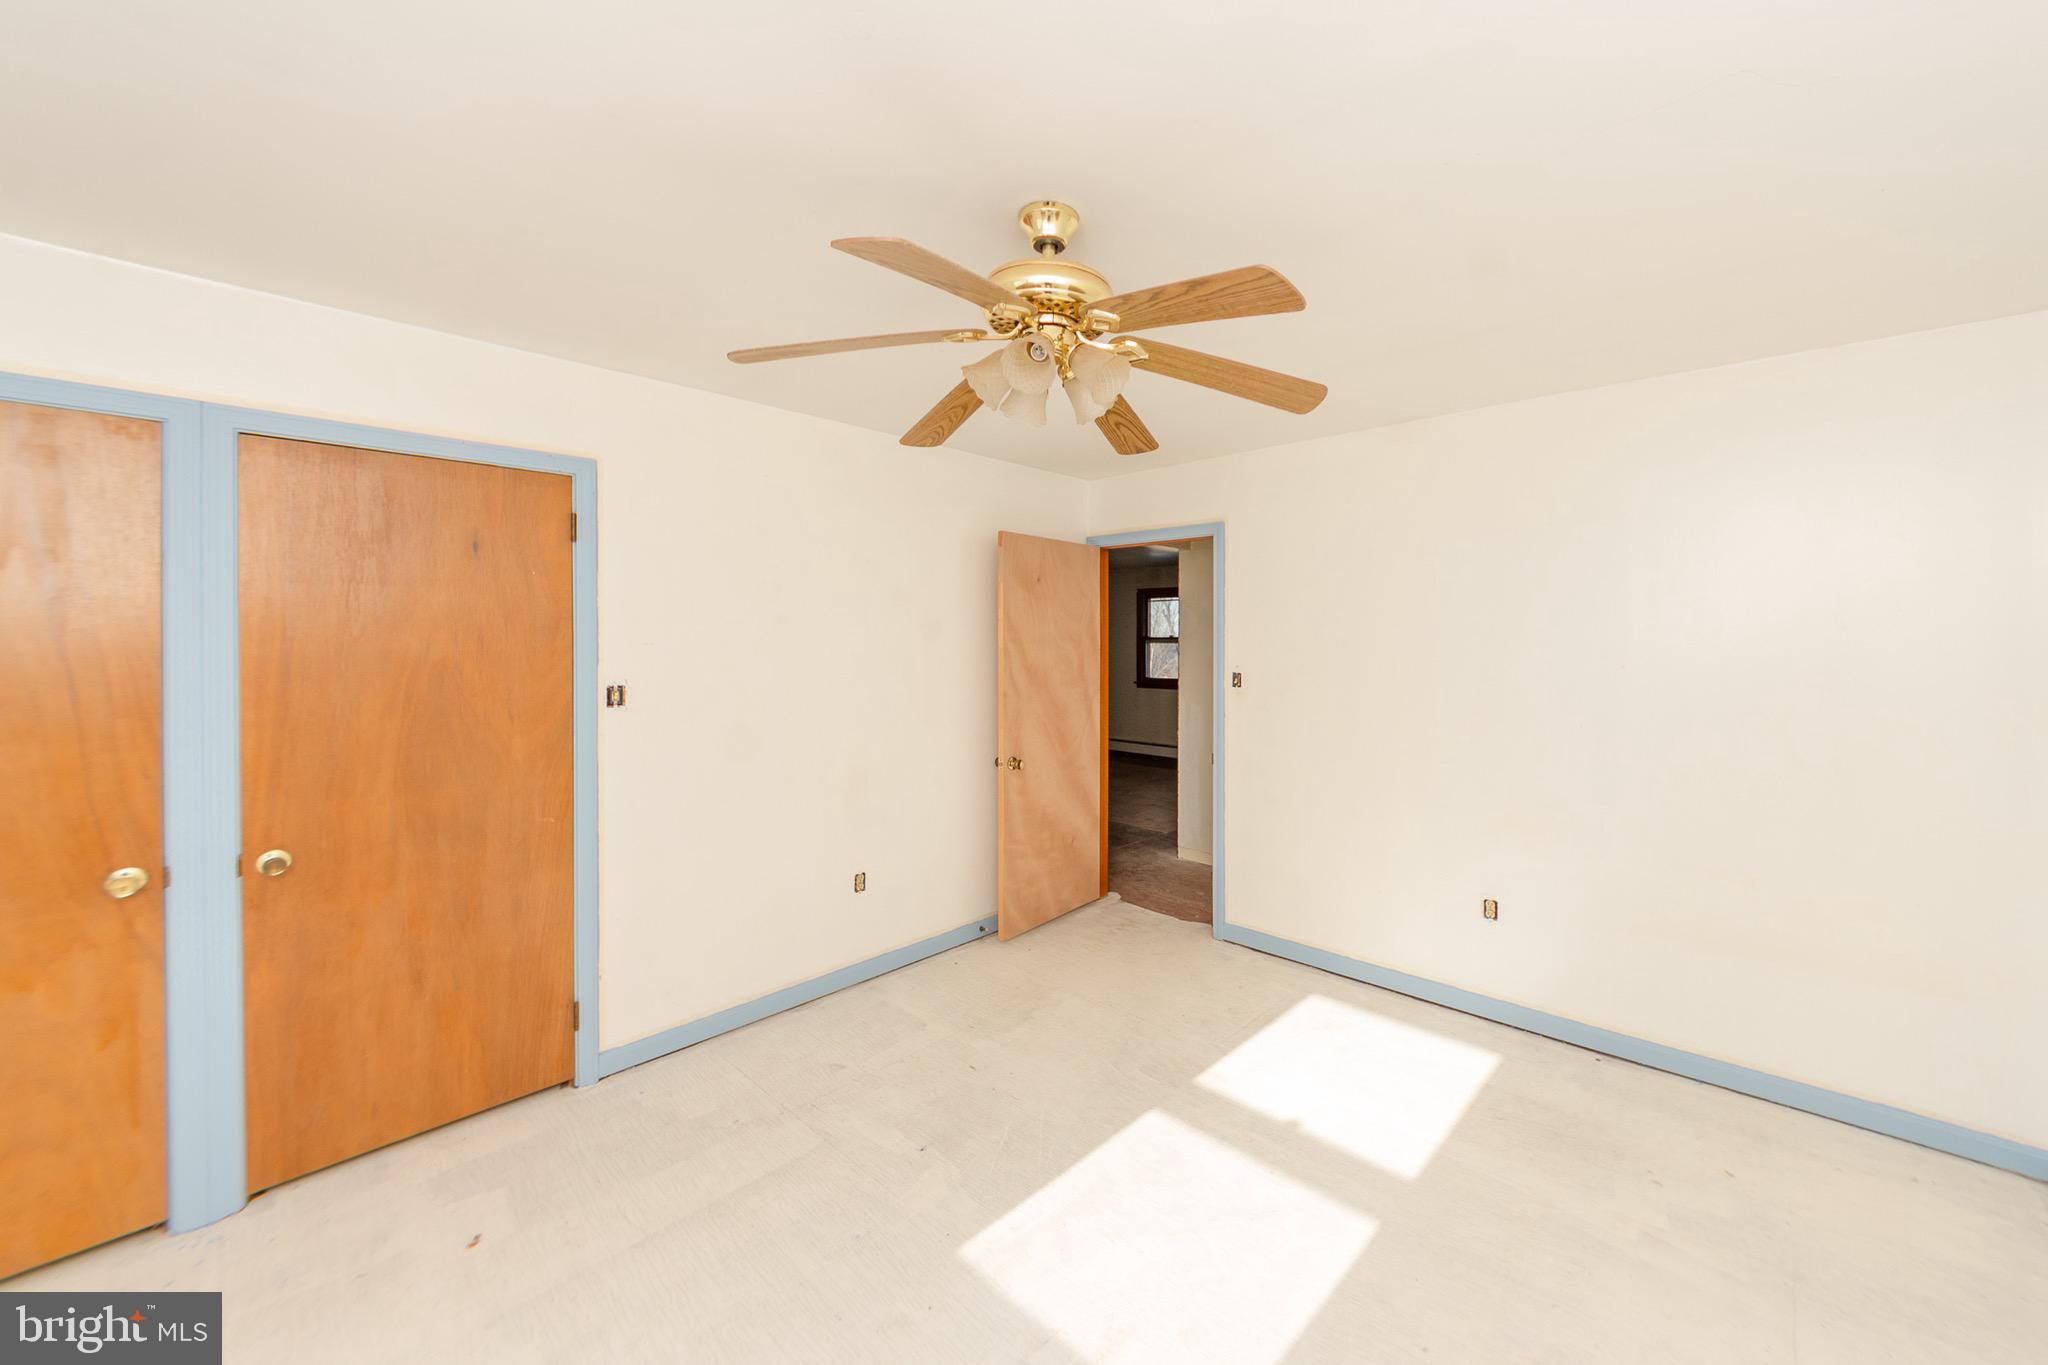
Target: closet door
{"x": 81, "y": 844}
{"x": 407, "y": 813}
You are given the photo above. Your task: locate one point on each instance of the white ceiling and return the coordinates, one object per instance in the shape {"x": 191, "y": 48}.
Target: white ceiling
{"x": 1482, "y": 202}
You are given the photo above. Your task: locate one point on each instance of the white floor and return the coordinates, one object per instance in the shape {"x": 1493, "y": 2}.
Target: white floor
{"x": 1116, "y": 1138}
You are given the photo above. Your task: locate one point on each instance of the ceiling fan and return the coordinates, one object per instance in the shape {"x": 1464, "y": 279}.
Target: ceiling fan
{"x": 1059, "y": 319}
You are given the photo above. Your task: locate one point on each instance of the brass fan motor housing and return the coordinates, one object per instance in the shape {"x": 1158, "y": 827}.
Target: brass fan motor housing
{"x": 1054, "y": 285}
{"x": 1066, "y": 289}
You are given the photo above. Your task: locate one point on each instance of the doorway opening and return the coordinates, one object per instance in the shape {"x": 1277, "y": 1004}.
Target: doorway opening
{"x": 1159, "y": 677}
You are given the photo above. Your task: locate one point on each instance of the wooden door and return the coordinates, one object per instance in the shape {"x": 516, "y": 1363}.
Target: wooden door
{"x": 1051, "y": 717}
{"x": 81, "y": 767}
{"x": 406, "y": 739}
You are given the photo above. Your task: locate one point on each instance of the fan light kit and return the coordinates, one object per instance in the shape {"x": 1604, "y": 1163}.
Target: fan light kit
{"x": 1058, "y": 319}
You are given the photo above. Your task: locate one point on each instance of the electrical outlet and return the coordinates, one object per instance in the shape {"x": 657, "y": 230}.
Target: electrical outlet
{"x": 1490, "y": 909}
{"x": 860, "y": 882}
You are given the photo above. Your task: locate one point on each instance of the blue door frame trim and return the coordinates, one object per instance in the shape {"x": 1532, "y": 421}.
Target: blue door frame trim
{"x": 616, "y": 1059}
{"x": 1943, "y": 1136}
{"x": 204, "y": 1146}
{"x": 1213, "y": 532}
{"x": 226, "y": 426}
{"x": 204, "y": 1109}
{"x": 190, "y": 916}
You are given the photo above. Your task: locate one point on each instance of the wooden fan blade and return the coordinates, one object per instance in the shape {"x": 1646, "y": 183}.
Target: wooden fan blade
{"x": 908, "y": 258}
{"x": 1121, "y": 425}
{"x": 1245, "y": 293}
{"x": 801, "y": 348}
{"x": 1231, "y": 376}
{"x": 934, "y": 427}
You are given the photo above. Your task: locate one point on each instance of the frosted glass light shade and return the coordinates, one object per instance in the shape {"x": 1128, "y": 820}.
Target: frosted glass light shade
{"x": 1096, "y": 377}
{"x": 1028, "y": 408}
{"x": 985, "y": 376}
{"x": 1014, "y": 380}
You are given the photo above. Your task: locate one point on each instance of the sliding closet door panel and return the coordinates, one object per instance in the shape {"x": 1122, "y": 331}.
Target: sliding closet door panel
{"x": 81, "y": 766}
{"x": 406, "y": 742}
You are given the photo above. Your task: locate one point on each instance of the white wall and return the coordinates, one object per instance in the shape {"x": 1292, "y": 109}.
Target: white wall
{"x": 1146, "y": 715}
{"x": 1731, "y": 686}
{"x": 783, "y": 730}
{"x": 1196, "y": 778}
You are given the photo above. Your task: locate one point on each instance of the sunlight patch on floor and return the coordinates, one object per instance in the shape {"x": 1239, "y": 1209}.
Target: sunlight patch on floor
{"x": 1381, "y": 1091}
{"x": 1165, "y": 1244}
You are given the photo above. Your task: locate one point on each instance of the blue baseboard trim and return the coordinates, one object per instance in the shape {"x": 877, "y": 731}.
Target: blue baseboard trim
{"x": 1878, "y": 1118}
{"x": 613, "y": 1060}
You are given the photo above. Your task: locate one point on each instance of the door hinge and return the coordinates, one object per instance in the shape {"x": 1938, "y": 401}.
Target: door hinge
{"x": 572, "y": 526}
{"x": 575, "y": 1016}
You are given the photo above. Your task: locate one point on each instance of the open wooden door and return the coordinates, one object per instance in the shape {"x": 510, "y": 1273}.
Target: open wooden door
{"x": 1049, "y": 730}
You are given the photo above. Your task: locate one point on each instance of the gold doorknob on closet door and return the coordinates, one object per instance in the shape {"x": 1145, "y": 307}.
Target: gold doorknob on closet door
{"x": 275, "y": 863}
{"x": 1014, "y": 763}
{"x": 124, "y": 882}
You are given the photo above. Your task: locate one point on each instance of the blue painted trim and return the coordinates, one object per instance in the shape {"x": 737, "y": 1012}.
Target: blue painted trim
{"x": 255, "y": 421}
{"x": 583, "y": 500}
{"x": 205, "y": 1112}
{"x": 208, "y": 1150}
{"x": 192, "y": 1074}
{"x": 1213, "y": 530}
{"x": 616, "y": 1059}
{"x": 226, "y": 425}
{"x": 1878, "y": 1118}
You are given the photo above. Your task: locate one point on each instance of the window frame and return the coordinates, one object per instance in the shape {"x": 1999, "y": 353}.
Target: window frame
{"x": 1146, "y": 596}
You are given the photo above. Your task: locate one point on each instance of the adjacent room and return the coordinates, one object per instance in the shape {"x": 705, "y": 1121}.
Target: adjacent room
{"x": 1160, "y": 731}
{"x": 1499, "y": 553}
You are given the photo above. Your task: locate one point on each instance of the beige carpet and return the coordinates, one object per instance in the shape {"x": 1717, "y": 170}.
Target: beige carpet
{"x": 1117, "y": 1138}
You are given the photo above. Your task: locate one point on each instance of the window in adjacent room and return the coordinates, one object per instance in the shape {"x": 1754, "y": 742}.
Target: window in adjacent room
{"x": 1159, "y": 637}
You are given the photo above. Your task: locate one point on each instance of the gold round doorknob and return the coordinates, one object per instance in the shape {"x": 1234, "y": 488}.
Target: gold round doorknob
{"x": 275, "y": 863}
{"x": 124, "y": 882}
